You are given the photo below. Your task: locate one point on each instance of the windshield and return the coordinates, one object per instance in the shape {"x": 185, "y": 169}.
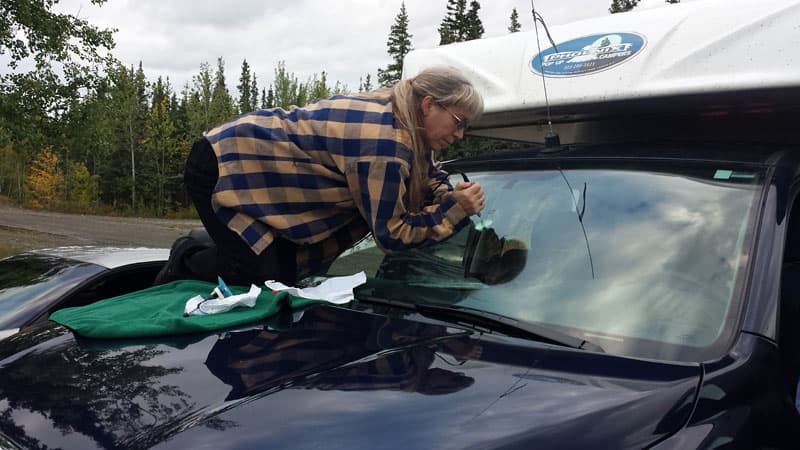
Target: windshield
{"x": 643, "y": 261}
{"x": 28, "y": 283}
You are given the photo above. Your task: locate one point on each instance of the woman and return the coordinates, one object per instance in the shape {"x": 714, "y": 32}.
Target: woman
{"x": 282, "y": 193}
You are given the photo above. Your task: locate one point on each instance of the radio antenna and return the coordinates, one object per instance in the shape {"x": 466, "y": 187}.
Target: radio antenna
{"x": 551, "y": 139}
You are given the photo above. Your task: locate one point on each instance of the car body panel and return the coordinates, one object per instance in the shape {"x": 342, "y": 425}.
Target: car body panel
{"x": 108, "y": 257}
{"x": 58, "y": 276}
{"x": 355, "y": 377}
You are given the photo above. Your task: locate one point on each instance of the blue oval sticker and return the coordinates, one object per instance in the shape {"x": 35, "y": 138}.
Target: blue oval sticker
{"x": 588, "y": 54}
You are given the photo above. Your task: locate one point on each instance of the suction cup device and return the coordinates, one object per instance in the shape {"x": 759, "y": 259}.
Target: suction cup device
{"x": 552, "y": 143}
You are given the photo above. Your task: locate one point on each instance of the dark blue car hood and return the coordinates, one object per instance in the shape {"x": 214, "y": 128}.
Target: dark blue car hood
{"x": 333, "y": 378}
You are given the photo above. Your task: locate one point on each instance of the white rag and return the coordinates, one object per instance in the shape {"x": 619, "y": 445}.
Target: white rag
{"x": 338, "y": 290}
{"x": 198, "y": 306}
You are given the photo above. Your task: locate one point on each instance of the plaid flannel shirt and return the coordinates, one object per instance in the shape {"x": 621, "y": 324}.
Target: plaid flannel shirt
{"x": 324, "y": 176}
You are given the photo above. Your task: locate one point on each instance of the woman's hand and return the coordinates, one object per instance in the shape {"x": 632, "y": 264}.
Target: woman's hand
{"x": 469, "y": 195}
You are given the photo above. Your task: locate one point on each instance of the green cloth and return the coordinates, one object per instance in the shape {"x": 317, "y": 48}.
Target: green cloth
{"x": 158, "y": 311}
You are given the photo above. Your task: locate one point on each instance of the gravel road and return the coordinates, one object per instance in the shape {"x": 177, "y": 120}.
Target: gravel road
{"x": 23, "y": 229}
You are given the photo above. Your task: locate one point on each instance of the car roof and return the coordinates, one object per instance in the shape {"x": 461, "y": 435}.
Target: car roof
{"x": 735, "y": 51}
{"x": 106, "y": 256}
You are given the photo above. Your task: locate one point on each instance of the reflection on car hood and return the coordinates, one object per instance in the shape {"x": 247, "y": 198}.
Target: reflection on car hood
{"x": 332, "y": 378}
{"x": 109, "y": 257}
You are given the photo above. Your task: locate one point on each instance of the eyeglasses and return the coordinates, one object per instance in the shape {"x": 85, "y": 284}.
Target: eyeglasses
{"x": 461, "y": 124}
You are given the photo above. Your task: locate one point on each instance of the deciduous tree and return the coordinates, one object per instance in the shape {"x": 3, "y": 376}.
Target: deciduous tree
{"x": 63, "y": 53}
{"x": 129, "y": 105}
{"x": 287, "y": 87}
{"x": 44, "y": 181}
{"x": 82, "y": 188}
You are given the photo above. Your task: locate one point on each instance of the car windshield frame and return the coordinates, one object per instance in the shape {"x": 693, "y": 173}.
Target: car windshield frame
{"x": 727, "y": 177}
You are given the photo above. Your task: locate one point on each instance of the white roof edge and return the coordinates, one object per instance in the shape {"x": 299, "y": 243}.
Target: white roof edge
{"x": 700, "y": 47}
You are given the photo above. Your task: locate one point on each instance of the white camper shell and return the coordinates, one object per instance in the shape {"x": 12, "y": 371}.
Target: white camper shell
{"x": 703, "y": 58}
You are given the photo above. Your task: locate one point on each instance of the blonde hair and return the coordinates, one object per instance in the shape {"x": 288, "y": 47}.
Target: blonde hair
{"x": 447, "y": 87}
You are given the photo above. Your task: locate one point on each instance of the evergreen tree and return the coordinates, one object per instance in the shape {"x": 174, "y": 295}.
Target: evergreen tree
{"x": 398, "y": 45}
{"x": 179, "y": 114}
{"x": 269, "y": 98}
{"x": 198, "y": 101}
{"x": 622, "y": 5}
{"x": 160, "y": 149}
{"x": 245, "y": 89}
{"x": 473, "y": 28}
{"x": 302, "y": 94}
{"x": 90, "y": 127}
{"x": 365, "y": 84}
{"x": 253, "y": 94}
{"x": 222, "y": 107}
{"x": 452, "y": 27}
{"x": 515, "y": 26}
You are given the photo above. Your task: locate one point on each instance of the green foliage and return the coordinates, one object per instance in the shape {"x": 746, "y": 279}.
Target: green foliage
{"x": 618, "y": 6}
{"x": 269, "y": 98}
{"x": 28, "y": 28}
{"x": 248, "y": 90}
{"x": 398, "y": 45}
{"x": 199, "y": 101}
{"x": 64, "y": 51}
{"x": 286, "y": 89}
{"x": 452, "y": 27}
{"x": 515, "y": 26}
{"x": 474, "y": 146}
{"x": 253, "y": 94}
{"x": 12, "y": 173}
{"x": 289, "y": 91}
{"x": 160, "y": 151}
{"x": 115, "y": 142}
{"x": 83, "y": 188}
{"x": 461, "y": 24}
{"x": 222, "y": 107}
{"x": 318, "y": 87}
{"x": 473, "y": 28}
{"x": 129, "y": 106}
{"x": 365, "y": 84}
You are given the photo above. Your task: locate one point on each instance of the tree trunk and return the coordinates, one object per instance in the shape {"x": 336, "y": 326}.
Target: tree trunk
{"x": 133, "y": 165}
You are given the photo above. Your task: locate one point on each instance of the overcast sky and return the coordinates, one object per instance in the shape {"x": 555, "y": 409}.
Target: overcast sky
{"x": 345, "y": 38}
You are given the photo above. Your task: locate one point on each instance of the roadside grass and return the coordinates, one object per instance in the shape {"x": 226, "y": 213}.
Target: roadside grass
{"x": 8, "y": 250}
{"x": 177, "y": 212}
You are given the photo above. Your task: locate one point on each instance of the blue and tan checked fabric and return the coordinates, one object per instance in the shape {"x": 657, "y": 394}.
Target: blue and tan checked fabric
{"x": 323, "y": 176}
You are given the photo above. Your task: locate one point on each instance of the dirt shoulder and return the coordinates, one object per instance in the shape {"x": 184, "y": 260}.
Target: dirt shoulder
{"x": 23, "y": 229}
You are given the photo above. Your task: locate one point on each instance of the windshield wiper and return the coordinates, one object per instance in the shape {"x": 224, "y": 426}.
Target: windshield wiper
{"x": 491, "y": 322}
